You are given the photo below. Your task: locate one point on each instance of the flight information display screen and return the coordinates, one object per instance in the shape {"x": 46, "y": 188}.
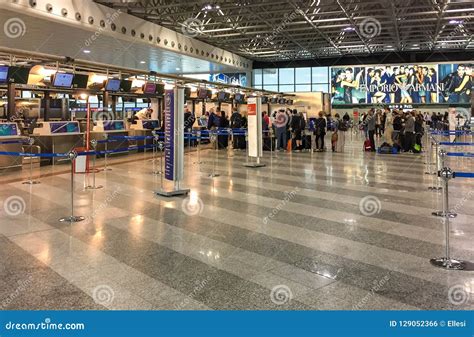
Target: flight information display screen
{"x": 64, "y": 127}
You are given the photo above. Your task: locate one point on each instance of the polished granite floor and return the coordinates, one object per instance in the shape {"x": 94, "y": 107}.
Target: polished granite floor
{"x": 310, "y": 231}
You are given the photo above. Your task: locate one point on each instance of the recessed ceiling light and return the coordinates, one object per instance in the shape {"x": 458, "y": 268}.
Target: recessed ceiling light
{"x": 455, "y": 22}
{"x": 142, "y": 62}
{"x": 348, "y": 29}
{"x": 86, "y": 51}
{"x": 178, "y": 68}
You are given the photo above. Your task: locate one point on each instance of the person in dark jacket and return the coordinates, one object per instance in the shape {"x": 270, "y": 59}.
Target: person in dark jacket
{"x": 320, "y": 131}
{"x": 223, "y": 139}
{"x": 296, "y": 126}
{"x": 189, "y": 120}
{"x": 236, "y": 123}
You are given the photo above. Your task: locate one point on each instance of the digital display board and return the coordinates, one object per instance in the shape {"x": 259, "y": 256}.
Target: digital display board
{"x": 63, "y": 80}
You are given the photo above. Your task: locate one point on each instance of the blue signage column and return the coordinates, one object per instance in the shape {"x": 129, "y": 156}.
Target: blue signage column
{"x": 174, "y": 141}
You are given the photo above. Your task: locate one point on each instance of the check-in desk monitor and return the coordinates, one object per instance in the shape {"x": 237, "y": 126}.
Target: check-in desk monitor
{"x": 109, "y": 125}
{"x": 56, "y": 128}
{"x": 9, "y": 130}
{"x": 147, "y": 124}
{"x": 57, "y": 137}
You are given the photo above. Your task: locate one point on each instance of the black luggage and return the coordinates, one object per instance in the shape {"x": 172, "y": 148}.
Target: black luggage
{"x": 239, "y": 142}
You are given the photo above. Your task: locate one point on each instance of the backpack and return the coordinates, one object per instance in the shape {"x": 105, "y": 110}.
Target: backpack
{"x": 367, "y": 145}
{"x": 342, "y": 126}
{"x": 236, "y": 120}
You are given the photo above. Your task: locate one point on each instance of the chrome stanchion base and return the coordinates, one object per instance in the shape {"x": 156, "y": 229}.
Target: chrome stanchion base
{"x": 445, "y": 263}
{"x": 72, "y": 219}
{"x": 172, "y": 193}
{"x": 156, "y": 173}
{"x": 435, "y": 188}
{"x": 106, "y": 169}
{"x": 213, "y": 175}
{"x": 442, "y": 214}
{"x": 31, "y": 182}
{"x": 253, "y": 165}
{"x": 94, "y": 187}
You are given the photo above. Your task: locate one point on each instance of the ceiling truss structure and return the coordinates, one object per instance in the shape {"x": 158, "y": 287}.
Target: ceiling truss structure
{"x": 276, "y": 30}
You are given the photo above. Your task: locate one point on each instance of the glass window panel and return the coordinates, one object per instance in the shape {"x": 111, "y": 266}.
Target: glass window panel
{"x": 321, "y": 87}
{"x": 257, "y": 77}
{"x": 320, "y": 75}
{"x": 287, "y": 75}
{"x": 303, "y": 75}
{"x": 287, "y": 88}
{"x": 270, "y": 76}
{"x": 303, "y": 87}
{"x": 270, "y": 87}
{"x": 258, "y": 86}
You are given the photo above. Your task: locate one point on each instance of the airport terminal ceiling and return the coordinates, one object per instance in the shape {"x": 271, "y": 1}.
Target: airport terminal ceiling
{"x": 273, "y": 30}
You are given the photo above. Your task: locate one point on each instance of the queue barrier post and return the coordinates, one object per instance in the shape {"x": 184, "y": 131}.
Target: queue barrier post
{"x": 156, "y": 142}
{"x": 30, "y": 180}
{"x": 436, "y": 179}
{"x": 445, "y": 211}
{"x": 215, "y": 139}
{"x": 230, "y": 152}
{"x": 106, "y": 154}
{"x": 72, "y": 218}
{"x": 198, "y": 135}
{"x": 161, "y": 146}
{"x": 447, "y": 262}
{"x": 93, "y": 186}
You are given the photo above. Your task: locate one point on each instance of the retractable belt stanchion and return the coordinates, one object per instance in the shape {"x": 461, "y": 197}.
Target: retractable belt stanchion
{"x": 72, "y": 218}
{"x": 429, "y": 155}
{"x": 447, "y": 262}
{"x": 30, "y": 180}
{"x": 436, "y": 179}
{"x": 230, "y": 151}
{"x": 93, "y": 187}
{"x": 215, "y": 139}
{"x": 156, "y": 142}
{"x": 106, "y": 154}
{"x": 198, "y": 135}
{"x": 445, "y": 211}
{"x": 161, "y": 146}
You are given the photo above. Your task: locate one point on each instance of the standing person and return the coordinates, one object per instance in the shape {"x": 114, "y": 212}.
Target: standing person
{"x": 419, "y": 131}
{"x": 409, "y": 132}
{"x": 384, "y": 119}
{"x": 212, "y": 121}
{"x": 296, "y": 129}
{"x": 223, "y": 139}
{"x": 397, "y": 127}
{"x": 371, "y": 129}
{"x": 341, "y": 127}
{"x": 320, "y": 132}
{"x": 236, "y": 123}
{"x": 388, "y": 127}
{"x": 281, "y": 120}
{"x": 189, "y": 120}
{"x": 378, "y": 123}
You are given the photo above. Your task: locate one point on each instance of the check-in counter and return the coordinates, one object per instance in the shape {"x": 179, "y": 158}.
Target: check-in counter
{"x": 10, "y": 141}
{"x": 109, "y": 128}
{"x": 144, "y": 128}
{"x": 57, "y": 137}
